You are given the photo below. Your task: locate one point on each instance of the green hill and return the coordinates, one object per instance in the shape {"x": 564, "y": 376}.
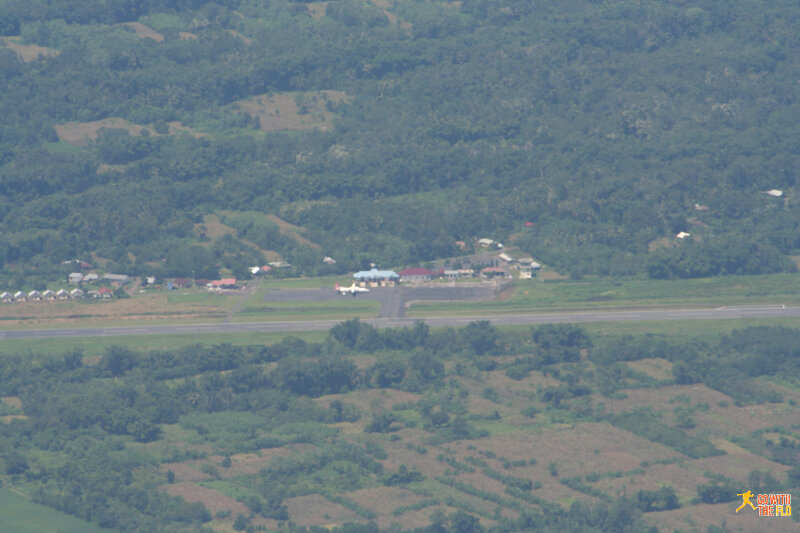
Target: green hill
{"x": 390, "y": 130}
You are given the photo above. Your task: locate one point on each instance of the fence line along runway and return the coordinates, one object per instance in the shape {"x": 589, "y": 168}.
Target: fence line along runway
{"x": 722, "y": 313}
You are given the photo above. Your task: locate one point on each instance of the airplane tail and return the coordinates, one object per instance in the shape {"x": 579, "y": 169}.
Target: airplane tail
{"x": 336, "y": 287}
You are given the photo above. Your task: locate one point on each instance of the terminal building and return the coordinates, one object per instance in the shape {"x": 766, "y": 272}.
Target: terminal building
{"x": 376, "y": 278}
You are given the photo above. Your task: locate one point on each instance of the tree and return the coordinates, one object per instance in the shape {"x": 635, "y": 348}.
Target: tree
{"x": 481, "y": 336}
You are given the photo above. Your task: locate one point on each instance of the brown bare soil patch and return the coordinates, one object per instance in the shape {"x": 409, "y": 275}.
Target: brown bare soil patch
{"x": 187, "y": 36}
{"x": 8, "y": 418}
{"x": 150, "y": 306}
{"x": 11, "y": 401}
{"x": 586, "y": 447}
{"x": 663, "y": 242}
{"x": 27, "y": 52}
{"x": 372, "y": 400}
{"x": 317, "y": 9}
{"x": 316, "y": 510}
{"x": 384, "y": 500}
{"x": 700, "y": 517}
{"x": 292, "y": 231}
{"x": 82, "y": 133}
{"x": 186, "y": 471}
{"x": 177, "y": 127}
{"x": 252, "y": 463}
{"x": 291, "y": 110}
{"x": 725, "y": 421}
{"x": 682, "y": 479}
{"x": 214, "y": 229}
{"x": 241, "y": 464}
{"x": 659, "y": 398}
{"x": 144, "y": 32}
{"x": 398, "y": 454}
{"x": 737, "y": 463}
{"x": 422, "y": 517}
{"x": 550, "y": 275}
{"x": 656, "y": 368}
{"x": 239, "y": 36}
{"x": 213, "y": 500}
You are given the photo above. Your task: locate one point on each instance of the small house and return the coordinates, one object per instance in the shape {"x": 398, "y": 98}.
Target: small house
{"x": 224, "y": 283}
{"x": 682, "y": 235}
{"x": 105, "y": 293}
{"x": 93, "y": 294}
{"x": 75, "y": 278}
{"x": 776, "y": 193}
{"x": 76, "y": 294}
{"x": 20, "y": 296}
{"x": 505, "y": 257}
{"x": 486, "y": 243}
{"x": 6, "y": 298}
{"x": 329, "y": 260}
{"x": 493, "y": 272}
{"x": 62, "y": 294}
{"x": 35, "y": 296}
{"x": 48, "y": 295}
{"x": 90, "y": 278}
{"x": 116, "y": 279}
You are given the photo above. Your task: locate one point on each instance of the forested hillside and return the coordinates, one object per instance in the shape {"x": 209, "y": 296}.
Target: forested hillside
{"x": 391, "y": 129}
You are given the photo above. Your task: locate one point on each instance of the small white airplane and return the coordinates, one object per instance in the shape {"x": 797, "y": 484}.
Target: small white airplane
{"x": 352, "y": 289}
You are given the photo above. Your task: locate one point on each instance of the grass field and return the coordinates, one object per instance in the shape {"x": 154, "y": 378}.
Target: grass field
{"x": 526, "y": 296}
{"x": 327, "y": 310}
{"x": 98, "y": 345}
{"x": 20, "y": 515}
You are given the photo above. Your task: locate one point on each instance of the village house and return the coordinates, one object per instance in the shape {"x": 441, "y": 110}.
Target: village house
{"x": 6, "y": 297}
{"x": 224, "y": 283}
{"x": 20, "y": 296}
{"x": 48, "y": 295}
{"x": 116, "y": 279}
{"x": 416, "y": 275}
{"x": 62, "y": 294}
{"x": 493, "y": 272}
{"x": 75, "y": 278}
{"x": 460, "y": 273}
{"x": 35, "y": 296}
{"x": 76, "y": 294}
{"x": 90, "y": 278}
{"x": 105, "y": 292}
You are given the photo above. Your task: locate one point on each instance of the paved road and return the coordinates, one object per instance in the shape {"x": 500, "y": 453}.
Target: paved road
{"x": 533, "y": 318}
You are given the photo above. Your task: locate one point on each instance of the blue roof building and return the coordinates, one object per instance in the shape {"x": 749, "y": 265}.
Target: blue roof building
{"x": 376, "y": 275}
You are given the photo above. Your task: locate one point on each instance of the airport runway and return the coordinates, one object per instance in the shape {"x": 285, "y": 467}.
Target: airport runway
{"x": 722, "y": 313}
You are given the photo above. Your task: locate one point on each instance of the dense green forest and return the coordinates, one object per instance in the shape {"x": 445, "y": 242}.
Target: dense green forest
{"x": 104, "y": 437}
{"x": 390, "y": 130}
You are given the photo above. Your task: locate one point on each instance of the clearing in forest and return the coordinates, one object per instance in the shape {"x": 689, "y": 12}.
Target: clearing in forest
{"x": 27, "y": 52}
{"x": 292, "y": 110}
{"x": 144, "y": 32}
{"x": 83, "y": 133}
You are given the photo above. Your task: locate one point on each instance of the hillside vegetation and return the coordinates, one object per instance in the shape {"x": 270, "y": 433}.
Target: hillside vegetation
{"x": 390, "y": 130}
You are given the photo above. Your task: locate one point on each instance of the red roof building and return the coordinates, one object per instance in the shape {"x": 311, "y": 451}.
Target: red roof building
{"x": 416, "y": 274}
{"x": 224, "y": 283}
